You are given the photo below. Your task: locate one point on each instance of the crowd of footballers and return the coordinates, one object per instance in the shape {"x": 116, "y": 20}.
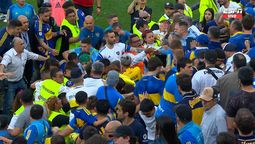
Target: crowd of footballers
{"x": 178, "y": 80}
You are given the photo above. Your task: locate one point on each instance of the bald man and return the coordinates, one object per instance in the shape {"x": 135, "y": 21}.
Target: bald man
{"x": 13, "y": 62}
{"x": 96, "y": 33}
{"x": 110, "y": 129}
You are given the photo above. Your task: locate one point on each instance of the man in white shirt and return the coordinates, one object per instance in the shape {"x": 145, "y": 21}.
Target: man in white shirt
{"x": 214, "y": 118}
{"x": 92, "y": 83}
{"x": 14, "y": 62}
{"x": 112, "y": 51}
{"x": 207, "y": 77}
{"x": 227, "y": 5}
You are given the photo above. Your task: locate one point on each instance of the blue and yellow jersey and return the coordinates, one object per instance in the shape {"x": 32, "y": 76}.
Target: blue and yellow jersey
{"x": 134, "y": 73}
{"x": 152, "y": 86}
{"x": 195, "y": 104}
{"x": 82, "y": 117}
{"x": 239, "y": 38}
{"x": 194, "y": 53}
{"x": 37, "y": 132}
{"x": 43, "y": 32}
{"x": 171, "y": 96}
{"x": 5, "y": 41}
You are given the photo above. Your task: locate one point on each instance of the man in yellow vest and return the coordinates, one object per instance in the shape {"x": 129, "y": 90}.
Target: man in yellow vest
{"x": 169, "y": 9}
{"x": 53, "y": 86}
{"x": 70, "y": 26}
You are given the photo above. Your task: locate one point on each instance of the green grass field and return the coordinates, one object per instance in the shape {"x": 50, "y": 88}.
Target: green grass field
{"x": 119, "y": 7}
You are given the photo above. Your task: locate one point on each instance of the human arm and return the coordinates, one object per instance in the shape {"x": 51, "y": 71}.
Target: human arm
{"x": 98, "y": 10}
{"x": 131, "y": 7}
{"x": 230, "y": 125}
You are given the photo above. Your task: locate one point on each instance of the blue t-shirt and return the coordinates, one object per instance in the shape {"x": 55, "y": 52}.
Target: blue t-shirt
{"x": 96, "y": 36}
{"x": 214, "y": 45}
{"x": 191, "y": 134}
{"x": 15, "y": 11}
{"x": 82, "y": 117}
{"x": 37, "y": 132}
{"x": 81, "y": 17}
{"x": 239, "y": 40}
{"x": 4, "y": 133}
{"x": 124, "y": 38}
{"x": 108, "y": 28}
{"x": 5, "y": 41}
{"x": 139, "y": 131}
{"x": 113, "y": 95}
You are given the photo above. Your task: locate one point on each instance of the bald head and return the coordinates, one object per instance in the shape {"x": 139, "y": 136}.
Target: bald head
{"x": 24, "y": 21}
{"x": 110, "y": 128}
{"x": 89, "y": 22}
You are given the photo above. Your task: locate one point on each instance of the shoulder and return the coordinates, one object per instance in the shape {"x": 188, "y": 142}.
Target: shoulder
{"x": 29, "y": 6}
{"x": 99, "y": 29}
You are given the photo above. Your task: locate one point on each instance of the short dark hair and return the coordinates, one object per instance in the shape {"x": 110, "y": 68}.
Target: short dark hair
{"x": 70, "y": 65}
{"x": 226, "y": 138}
{"x": 102, "y": 107}
{"x": 54, "y": 71}
{"x": 153, "y": 63}
{"x": 36, "y": 112}
{"x": 128, "y": 106}
{"x": 67, "y": 5}
{"x": 111, "y": 16}
{"x": 140, "y": 23}
{"x": 244, "y": 120}
{"x": 72, "y": 56}
{"x": 57, "y": 139}
{"x": 4, "y": 121}
{"x": 248, "y": 22}
{"x": 96, "y": 139}
{"x": 181, "y": 63}
{"x": 87, "y": 132}
{"x": 184, "y": 82}
{"x": 86, "y": 40}
{"x": 214, "y": 32}
{"x": 116, "y": 24}
{"x": 252, "y": 64}
{"x": 43, "y": 10}
{"x": 183, "y": 112}
{"x": 92, "y": 102}
{"x": 27, "y": 96}
{"x": 245, "y": 75}
{"x": 183, "y": 24}
{"x": 146, "y": 105}
{"x": 239, "y": 60}
{"x": 69, "y": 11}
{"x": 81, "y": 97}
{"x": 211, "y": 56}
{"x": 237, "y": 24}
{"x": 107, "y": 32}
{"x": 13, "y": 24}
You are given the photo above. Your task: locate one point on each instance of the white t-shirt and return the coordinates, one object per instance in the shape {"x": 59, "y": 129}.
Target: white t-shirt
{"x": 232, "y": 6}
{"x": 91, "y": 85}
{"x": 71, "y": 92}
{"x": 202, "y": 79}
{"x": 37, "y": 90}
{"x": 115, "y": 53}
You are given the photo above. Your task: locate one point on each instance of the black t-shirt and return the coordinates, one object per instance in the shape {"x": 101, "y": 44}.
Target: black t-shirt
{"x": 241, "y": 99}
{"x": 246, "y": 139}
{"x": 135, "y": 15}
{"x": 139, "y": 131}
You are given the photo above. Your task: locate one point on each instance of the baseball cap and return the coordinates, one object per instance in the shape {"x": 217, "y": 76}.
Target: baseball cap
{"x": 112, "y": 78}
{"x": 179, "y": 6}
{"x": 125, "y": 60}
{"x": 84, "y": 57}
{"x": 123, "y": 131}
{"x": 230, "y": 47}
{"x": 208, "y": 94}
{"x": 169, "y": 5}
{"x": 202, "y": 39}
{"x": 76, "y": 73}
{"x": 211, "y": 56}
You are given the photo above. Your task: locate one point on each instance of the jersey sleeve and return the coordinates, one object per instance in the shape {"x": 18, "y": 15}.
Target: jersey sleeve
{"x": 38, "y": 31}
{"x": 30, "y": 134}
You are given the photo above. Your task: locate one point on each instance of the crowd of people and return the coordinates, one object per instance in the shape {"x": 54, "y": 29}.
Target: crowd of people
{"x": 177, "y": 80}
